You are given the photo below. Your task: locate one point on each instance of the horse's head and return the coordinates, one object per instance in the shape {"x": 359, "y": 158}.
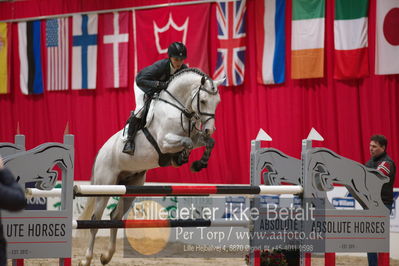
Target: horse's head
{"x": 196, "y": 95}
{"x": 204, "y": 103}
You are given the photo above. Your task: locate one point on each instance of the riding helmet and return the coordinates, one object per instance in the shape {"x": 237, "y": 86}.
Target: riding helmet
{"x": 177, "y": 50}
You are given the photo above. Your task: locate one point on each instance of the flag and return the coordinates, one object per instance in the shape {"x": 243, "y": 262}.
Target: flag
{"x": 30, "y": 57}
{"x": 5, "y": 53}
{"x": 307, "y": 39}
{"x": 387, "y": 39}
{"x": 350, "y": 39}
{"x": 84, "y": 51}
{"x": 115, "y": 51}
{"x": 155, "y": 29}
{"x": 231, "y": 17}
{"x": 270, "y": 41}
{"x": 57, "y": 47}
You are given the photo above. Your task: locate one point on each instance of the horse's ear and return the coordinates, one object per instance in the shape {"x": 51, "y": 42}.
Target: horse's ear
{"x": 203, "y": 79}
{"x": 219, "y": 81}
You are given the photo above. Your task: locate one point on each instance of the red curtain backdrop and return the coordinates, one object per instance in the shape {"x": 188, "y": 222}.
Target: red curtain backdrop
{"x": 194, "y": 19}
{"x": 346, "y": 113}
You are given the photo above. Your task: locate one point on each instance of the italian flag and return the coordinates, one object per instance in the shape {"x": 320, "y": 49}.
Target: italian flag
{"x": 350, "y": 39}
{"x": 307, "y": 39}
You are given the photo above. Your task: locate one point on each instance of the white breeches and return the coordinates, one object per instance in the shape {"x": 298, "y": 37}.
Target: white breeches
{"x": 139, "y": 96}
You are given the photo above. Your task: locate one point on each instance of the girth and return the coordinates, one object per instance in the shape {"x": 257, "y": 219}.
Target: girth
{"x": 164, "y": 158}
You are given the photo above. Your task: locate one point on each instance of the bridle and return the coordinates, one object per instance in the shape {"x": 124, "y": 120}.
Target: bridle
{"x": 197, "y": 94}
{"x": 192, "y": 116}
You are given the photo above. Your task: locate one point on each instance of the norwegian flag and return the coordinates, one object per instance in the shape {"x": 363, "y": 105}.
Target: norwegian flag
{"x": 231, "y": 18}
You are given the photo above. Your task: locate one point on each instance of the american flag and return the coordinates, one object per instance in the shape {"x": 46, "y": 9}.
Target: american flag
{"x": 57, "y": 46}
{"x": 232, "y": 42}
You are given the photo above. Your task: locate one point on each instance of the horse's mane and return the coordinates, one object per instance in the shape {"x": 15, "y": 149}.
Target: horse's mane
{"x": 188, "y": 70}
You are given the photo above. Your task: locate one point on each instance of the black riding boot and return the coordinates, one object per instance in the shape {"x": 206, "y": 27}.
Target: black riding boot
{"x": 134, "y": 126}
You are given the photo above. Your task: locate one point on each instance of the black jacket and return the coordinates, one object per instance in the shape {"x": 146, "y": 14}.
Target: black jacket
{"x": 148, "y": 78}
{"x": 12, "y": 198}
{"x": 385, "y": 165}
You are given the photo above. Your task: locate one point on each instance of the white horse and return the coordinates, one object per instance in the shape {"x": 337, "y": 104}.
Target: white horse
{"x": 180, "y": 118}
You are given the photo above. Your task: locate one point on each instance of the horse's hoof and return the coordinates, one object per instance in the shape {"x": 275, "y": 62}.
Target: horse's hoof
{"x": 196, "y": 166}
{"x": 104, "y": 260}
{"x": 174, "y": 164}
{"x": 83, "y": 263}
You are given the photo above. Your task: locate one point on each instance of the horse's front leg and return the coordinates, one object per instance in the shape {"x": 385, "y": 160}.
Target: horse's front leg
{"x": 173, "y": 143}
{"x": 203, "y": 162}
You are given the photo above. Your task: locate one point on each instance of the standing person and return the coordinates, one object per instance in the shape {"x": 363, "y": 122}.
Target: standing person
{"x": 12, "y": 199}
{"x": 382, "y": 162}
{"x": 150, "y": 80}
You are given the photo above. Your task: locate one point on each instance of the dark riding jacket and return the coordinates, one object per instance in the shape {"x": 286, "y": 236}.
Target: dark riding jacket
{"x": 12, "y": 198}
{"x": 386, "y": 166}
{"x": 148, "y": 78}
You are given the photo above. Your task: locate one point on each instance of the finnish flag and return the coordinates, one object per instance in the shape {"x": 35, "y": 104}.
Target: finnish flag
{"x": 84, "y": 52}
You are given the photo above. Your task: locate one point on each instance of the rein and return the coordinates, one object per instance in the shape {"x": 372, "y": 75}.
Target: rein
{"x": 185, "y": 111}
{"x": 182, "y": 108}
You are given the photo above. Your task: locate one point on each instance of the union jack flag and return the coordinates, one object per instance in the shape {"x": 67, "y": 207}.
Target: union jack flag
{"x": 231, "y": 18}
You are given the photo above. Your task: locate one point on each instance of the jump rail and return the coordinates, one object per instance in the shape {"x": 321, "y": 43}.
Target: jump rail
{"x": 34, "y": 192}
{"x": 104, "y": 224}
{"x": 132, "y": 191}
{"x": 118, "y": 190}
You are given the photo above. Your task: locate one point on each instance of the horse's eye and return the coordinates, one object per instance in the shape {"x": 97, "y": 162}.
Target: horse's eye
{"x": 203, "y": 102}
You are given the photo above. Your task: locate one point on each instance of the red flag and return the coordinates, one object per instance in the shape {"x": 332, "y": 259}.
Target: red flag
{"x": 114, "y": 43}
{"x": 155, "y": 29}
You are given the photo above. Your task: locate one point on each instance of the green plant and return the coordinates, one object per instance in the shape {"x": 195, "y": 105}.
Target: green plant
{"x": 270, "y": 258}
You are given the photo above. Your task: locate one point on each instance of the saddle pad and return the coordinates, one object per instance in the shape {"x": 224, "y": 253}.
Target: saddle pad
{"x": 123, "y": 136}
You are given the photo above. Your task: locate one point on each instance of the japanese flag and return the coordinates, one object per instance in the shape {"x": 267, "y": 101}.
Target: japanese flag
{"x": 387, "y": 39}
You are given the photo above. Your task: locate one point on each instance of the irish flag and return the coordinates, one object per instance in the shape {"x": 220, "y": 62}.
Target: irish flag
{"x": 307, "y": 39}
{"x": 350, "y": 39}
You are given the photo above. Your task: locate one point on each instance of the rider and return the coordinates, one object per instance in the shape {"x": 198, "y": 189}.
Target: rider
{"x": 150, "y": 80}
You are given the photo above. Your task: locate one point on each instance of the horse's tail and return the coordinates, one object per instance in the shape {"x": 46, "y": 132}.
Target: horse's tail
{"x": 90, "y": 202}
{"x": 88, "y": 209}
{"x": 86, "y": 215}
